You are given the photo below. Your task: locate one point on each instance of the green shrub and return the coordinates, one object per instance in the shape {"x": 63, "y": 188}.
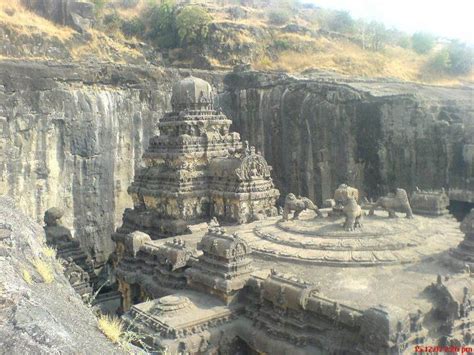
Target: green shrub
{"x": 422, "y": 42}
{"x": 160, "y": 24}
{"x": 44, "y": 269}
{"x": 279, "y": 17}
{"x": 128, "y": 3}
{"x": 341, "y": 21}
{"x": 404, "y": 42}
{"x": 460, "y": 57}
{"x": 99, "y": 6}
{"x": 237, "y": 13}
{"x": 440, "y": 61}
{"x": 112, "y": 21}
{"x": 192, "y": 23}
{"x": 133, "y": 27}
{"x": 379, "y": 36}
{"x": 282, "y": 45}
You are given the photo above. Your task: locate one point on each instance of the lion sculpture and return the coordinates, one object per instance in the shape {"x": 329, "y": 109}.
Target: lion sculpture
{"x": 353, "y": 213}
{"x": 292, "y": 203}
{"x": 392, "y": 203}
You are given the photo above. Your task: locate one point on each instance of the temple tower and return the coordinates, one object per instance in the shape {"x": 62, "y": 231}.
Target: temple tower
{"x": 195, "y": 169}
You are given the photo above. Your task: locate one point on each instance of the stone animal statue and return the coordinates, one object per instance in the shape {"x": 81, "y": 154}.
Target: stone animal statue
{"x": 342, "y": 194}
{"x": 55, "y": 232}
{"x": 353, "y": 213}
{"x": 394, "y": 202}
{"x": 298, "y": 204}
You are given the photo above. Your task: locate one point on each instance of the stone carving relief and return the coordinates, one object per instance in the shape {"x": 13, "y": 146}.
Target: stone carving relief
{"x": 253, "y": 166}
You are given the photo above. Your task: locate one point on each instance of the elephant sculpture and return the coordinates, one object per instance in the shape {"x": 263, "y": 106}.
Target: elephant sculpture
{"x": 353, "y": 213}
{"x": 298, "y": 205}
{"x": 392, "y": 203}
{"x": 342, "y": 195}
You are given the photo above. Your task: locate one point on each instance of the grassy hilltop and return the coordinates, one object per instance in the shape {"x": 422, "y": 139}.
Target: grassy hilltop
{"x": 269, "y": 35}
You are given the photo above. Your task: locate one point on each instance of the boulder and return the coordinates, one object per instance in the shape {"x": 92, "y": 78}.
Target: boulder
{"x": 78, "y": 14}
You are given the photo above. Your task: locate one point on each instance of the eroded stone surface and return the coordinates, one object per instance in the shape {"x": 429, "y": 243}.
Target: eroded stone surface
{"x": 74, "y": 134}
{"x": 374, "y": 135}
{"x": 39, "y": 318}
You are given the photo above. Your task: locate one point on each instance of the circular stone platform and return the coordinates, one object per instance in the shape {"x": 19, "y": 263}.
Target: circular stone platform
{"x": 381, "y": 240}
{"x": 172, "y": 304}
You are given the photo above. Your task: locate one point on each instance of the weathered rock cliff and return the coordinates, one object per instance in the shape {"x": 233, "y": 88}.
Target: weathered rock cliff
{"x": 323, "y": 131}
{"x": 71, "y": 136}
{"x": 38, "y": 317}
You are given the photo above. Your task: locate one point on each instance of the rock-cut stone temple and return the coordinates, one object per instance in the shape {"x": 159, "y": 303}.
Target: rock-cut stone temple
{"x": 347, "y": 278}
{"x": 195, "y": 169}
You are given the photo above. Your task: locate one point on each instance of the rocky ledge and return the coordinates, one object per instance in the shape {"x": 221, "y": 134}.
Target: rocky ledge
{"x": 38, "y": 317}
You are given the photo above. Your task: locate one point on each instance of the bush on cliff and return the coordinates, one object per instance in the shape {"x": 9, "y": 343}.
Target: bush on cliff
{"x": 455, "y": 59}
{"x": 134, "y": 27}
{"x": 341, "y": 21}
{"x": 279, "y": 17}
{"x": 160, "y": 23}
{"x": 460, "y": 57}
{"x": 422, "y": 42}
{"x": 439, "y": 62}
{"x": 192, "y": 23}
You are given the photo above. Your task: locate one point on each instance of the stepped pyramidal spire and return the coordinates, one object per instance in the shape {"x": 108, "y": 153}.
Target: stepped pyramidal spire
{"x": 195, "y": 169}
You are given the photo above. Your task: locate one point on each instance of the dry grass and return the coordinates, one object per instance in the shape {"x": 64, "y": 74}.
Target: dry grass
{"x": 112, "y": 327}
{"x": 130, "y": 12}
{"x": 105, "y": 48}
{"x": 45, "y": 270}
{"x": 14, "y": 15}
{"x": 303, "y": 51}
{"x": 20, "y": 21}
{"x": 27, "y": 277}
{"x": 296, "y": 37}
{"x": 345, "y": 57}
{"x": 49, "y": 252}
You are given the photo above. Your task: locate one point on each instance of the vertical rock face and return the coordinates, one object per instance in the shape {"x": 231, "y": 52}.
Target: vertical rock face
{"x": 72, "y": 137}
{"x": 376, "y": 136}
{"x": 79, "y": 14}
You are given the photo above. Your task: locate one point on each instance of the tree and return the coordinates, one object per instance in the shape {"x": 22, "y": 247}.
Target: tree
{"x": 378, "y": 35}
{"x": 133, "y": 27}
{"x": 160, "y": 21}
{"x": 99, "y": 6}
{"x": 422, "y": 42}
{"x": 404, "y": 42}
{"x": 192, "y": 23}
{"x": 440, "y": 62}
{"x": 460, "y": 57}
{"x": 279, "y": 17}
{"x": 341, "y": 21}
